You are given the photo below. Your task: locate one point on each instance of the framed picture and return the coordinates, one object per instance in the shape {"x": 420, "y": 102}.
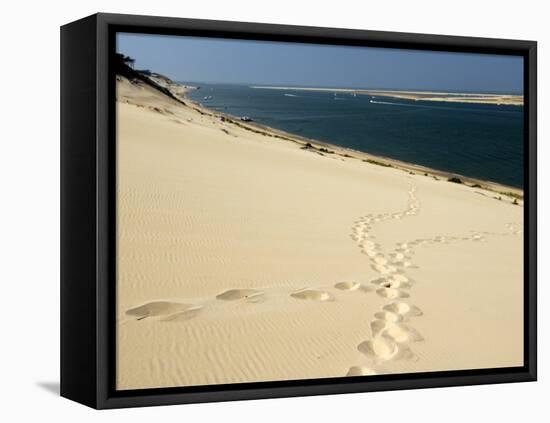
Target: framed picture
{"x": 257, "y": 211}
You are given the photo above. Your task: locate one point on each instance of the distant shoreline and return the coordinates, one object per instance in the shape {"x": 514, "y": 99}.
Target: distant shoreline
{"x": 324, "y": 148}
{"x": 449, "y": 97}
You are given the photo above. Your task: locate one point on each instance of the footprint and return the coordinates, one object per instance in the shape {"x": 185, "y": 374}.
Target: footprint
{"x": 347, "y": 286}
{"x": 377, "y": 326}
{"x": 397, "y": 256}
{"x": 370, "y": 245}
{"x": 399, "y": 278}
{"x": 370, "y": 253}
{"x": 397, "y": 285}
{"x": 390, "y": 283}
{"x": 164, "y": 309}
{"x": 399, "y": 332}
{"x": 388, "y": 316}
{"x": 382, "y": 269}
{"x": 311, "y": 294}
{"x": 403, "y": 309}
{"x": 404, "y": 250}
{"x": 360, "y": 371}
{"x": 240, "y": 294}
{"x": 381, "y": 348}
{"x": 379, "y": 281}
{"x": 391, "y": 293}
{"x": 384, "y": 349}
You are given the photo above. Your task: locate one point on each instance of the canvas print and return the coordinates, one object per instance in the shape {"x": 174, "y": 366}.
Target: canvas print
{"x": 289, "y": 211}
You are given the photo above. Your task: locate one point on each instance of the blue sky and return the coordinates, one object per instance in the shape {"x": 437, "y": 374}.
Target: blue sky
{"x": 206, "y": 60}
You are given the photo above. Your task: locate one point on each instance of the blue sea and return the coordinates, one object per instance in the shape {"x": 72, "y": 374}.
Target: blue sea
{"x": 476, "y": 140}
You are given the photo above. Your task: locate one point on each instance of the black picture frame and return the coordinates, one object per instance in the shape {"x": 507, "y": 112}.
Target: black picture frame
{"x": 88, "y": 211}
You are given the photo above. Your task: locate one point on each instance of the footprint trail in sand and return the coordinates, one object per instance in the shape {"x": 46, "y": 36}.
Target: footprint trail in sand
{"x": 389, "y": 336}
{"x": 391, "y": 329}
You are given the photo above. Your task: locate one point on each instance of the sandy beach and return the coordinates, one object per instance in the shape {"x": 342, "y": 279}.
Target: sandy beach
{"x": 245, "y": 254}
{"x": 474, "y": 98}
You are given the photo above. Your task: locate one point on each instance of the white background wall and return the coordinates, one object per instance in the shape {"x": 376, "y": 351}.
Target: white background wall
{"x": 29, "y": 209}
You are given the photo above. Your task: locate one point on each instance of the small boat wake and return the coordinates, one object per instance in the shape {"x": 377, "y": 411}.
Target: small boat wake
{"x": 392, "y": 104}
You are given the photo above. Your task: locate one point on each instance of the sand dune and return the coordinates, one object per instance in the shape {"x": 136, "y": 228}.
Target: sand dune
{"x": 220, "y": 228}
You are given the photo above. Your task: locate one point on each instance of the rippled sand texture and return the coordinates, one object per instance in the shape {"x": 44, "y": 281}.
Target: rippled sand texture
{"x": 242, "y": 258}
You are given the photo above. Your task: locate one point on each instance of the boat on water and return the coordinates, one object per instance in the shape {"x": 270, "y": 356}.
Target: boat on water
{"x": 246, "y": 118}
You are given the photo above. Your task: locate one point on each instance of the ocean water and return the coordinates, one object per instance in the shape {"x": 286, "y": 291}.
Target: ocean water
{"x": 477, "y": 140}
